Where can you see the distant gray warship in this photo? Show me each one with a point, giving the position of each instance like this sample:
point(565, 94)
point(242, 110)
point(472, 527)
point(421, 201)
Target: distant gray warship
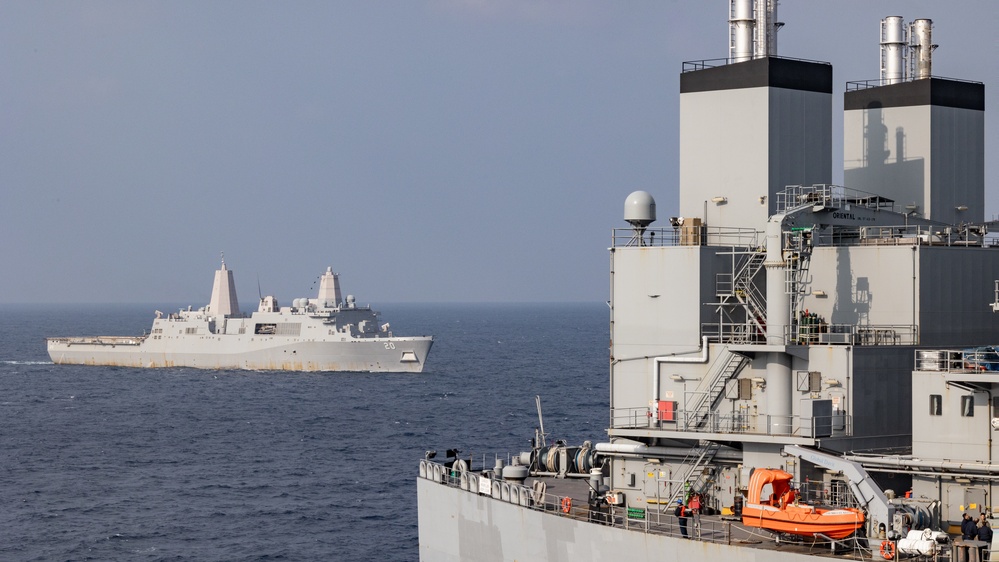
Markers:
point(788, 352)
point(327, 333)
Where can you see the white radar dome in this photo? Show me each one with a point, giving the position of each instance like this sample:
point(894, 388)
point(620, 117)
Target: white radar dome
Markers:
point(640, 209)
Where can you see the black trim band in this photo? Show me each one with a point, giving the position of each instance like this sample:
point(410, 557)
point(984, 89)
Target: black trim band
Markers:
point(775, 72)
point(930, 91)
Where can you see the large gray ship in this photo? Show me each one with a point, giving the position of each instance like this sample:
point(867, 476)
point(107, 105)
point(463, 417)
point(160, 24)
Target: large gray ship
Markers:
point(327, 333)
point(797, 369)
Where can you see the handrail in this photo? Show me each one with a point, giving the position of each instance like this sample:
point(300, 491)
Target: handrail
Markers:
point(811, 427)
point(970, 360)
point(694, 65)
point(856, 85)
point(708, 235)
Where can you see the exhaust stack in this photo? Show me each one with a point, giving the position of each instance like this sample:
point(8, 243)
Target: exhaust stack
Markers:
point(753, 29)
point(921, 32)
point(893, 50)
point(906, 51)
point(766, 28)
point(741, 25)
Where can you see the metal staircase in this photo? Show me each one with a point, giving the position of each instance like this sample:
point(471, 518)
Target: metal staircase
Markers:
point(694, 479)
point(725, 367)
point(739, 291)
point(749, 293)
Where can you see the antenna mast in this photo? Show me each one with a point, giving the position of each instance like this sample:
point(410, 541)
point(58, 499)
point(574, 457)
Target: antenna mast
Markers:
point(541, 422)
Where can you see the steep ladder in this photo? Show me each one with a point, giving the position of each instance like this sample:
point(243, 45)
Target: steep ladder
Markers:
point(749, 294)
point(726, 367)
point(740, 290)
point(797, 255)
point(694, 479)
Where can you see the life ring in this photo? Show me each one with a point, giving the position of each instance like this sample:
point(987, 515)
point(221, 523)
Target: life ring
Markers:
point(566, 504)
point(887, 550)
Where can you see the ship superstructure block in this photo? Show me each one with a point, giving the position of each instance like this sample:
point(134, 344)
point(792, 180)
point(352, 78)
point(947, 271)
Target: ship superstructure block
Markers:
point(920, 143)
point(223, 302)
point(749, 129)
point(780, 309)
point(329, 289)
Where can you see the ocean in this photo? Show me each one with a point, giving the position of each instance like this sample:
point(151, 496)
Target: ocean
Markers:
point(108, 463)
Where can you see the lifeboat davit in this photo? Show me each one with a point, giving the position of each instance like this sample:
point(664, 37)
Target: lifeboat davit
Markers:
point(781, 512)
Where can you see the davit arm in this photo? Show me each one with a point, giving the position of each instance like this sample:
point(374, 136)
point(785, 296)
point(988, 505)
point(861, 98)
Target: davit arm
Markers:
point(879, 511)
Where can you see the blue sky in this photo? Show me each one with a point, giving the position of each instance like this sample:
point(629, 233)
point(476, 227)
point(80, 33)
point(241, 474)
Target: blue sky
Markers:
point(435, 151)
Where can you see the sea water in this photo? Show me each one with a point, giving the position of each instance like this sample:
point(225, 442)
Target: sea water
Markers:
point(109, 463)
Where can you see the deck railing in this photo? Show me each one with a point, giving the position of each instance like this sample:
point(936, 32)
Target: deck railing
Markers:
point(848, 334)
point(810, 427)
point(978, 359)
point(686, 235)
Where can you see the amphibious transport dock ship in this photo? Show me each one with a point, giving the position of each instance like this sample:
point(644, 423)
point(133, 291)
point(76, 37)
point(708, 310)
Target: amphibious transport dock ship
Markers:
point(327, 333)
point(810, 367)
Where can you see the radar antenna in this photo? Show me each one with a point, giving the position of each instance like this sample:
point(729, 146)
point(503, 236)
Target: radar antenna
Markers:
point(639, 212)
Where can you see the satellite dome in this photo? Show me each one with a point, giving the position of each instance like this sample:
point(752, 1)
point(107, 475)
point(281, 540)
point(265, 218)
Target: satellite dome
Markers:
point(640, 209)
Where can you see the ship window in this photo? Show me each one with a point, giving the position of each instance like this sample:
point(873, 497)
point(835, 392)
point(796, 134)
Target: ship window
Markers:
point(936, 404)
point(995, 406)
point(968, 406)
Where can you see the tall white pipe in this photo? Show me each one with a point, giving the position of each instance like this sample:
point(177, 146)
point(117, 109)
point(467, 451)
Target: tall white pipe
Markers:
point(893, 50)
point(655, 451)
point(778, 305)
point(778, 392)
point(778, 389)
point(741, 25)
point(922, 48)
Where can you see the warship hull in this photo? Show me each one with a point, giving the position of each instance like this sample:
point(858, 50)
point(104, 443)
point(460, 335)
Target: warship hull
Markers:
point(397, 354)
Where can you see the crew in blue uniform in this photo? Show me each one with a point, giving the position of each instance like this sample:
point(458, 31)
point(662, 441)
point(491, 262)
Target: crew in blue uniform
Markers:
point(985, 534)
point(969, 530)
point(682, 516)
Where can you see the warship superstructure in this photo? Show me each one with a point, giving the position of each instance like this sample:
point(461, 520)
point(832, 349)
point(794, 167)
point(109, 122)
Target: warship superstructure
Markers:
point(838, 336)
point(327, 333)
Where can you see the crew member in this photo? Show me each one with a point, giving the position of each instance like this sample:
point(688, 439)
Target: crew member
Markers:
point(985, 534)
point(694, 506)
point(969, 529)
point(682, 516)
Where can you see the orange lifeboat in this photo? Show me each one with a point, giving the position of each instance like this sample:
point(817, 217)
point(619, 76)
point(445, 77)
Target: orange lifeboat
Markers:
point(782, 513)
